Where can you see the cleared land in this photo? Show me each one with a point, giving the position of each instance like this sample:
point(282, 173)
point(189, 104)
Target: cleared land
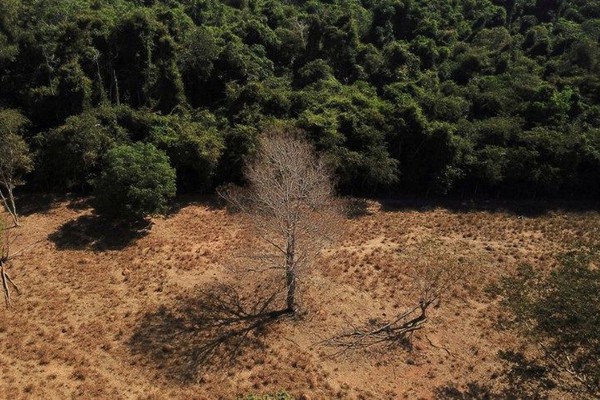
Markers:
point(105, 313)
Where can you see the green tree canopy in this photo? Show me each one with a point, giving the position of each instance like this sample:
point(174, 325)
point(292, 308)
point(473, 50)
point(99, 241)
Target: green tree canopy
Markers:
point(136, 181)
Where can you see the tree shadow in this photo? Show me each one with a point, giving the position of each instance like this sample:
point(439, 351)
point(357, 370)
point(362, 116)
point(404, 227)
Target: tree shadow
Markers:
point(212, 202)
point(518, 207)
point(80, 203)
point(92, 232)
point(205, 333)
point(381, 335)
point(356, 208)
point(36, 203)
point(521, 378)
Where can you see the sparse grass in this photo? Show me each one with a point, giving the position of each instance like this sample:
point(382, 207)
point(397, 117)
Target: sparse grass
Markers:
point(70, 331)
point(277, 396)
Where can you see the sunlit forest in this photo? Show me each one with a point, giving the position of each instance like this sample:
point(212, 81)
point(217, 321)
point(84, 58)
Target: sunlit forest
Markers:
point(300, 199)
point(465, 97)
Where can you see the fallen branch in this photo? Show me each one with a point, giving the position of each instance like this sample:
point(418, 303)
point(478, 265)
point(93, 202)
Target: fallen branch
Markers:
point(373, 333)
point(6, 259)
point(7, 283)
point(439, 347)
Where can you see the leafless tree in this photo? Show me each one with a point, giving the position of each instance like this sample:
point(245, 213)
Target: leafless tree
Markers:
point(7, 258)
point(15, 160)
point(431, 275)
point(5, 261)
point(289, 199)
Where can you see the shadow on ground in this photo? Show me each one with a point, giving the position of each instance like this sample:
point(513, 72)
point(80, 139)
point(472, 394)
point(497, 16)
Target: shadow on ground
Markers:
point(520, 208)
point(91, 232)
point(212, 202)
point(207, 332)
point(36, 203)
point(521, 378)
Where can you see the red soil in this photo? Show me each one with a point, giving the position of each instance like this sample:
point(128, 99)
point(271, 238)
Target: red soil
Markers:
point(106, 316)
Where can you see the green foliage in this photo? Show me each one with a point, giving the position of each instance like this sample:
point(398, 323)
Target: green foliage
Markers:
point(12, 122)
point(15, 157)
point(561, 313)
point(348, 123)
point(136, 181)
point(468, 96)
point(194, 151)
point(277, 396)
point(15, 160)
point(71, 155)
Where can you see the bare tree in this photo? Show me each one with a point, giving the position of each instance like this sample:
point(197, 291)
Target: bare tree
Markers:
point(291, 204)
point(7, 257)
point(15, 160)
point(5, 262)
point(431, 274)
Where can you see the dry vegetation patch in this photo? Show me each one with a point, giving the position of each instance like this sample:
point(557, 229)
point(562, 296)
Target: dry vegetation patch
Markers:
point(103, 318)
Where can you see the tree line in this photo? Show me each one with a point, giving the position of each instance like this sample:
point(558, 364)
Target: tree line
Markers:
point(465, 97)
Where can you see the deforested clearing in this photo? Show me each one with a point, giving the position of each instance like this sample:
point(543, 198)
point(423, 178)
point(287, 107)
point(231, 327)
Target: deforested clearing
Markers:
point(105, 315)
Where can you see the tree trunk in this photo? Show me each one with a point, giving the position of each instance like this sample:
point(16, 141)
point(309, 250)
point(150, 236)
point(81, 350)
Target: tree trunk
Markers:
point(290, 276)
point(11, 196)
point(116, 85)
point(10, 208)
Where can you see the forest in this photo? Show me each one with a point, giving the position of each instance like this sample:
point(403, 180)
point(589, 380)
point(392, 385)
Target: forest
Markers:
point(300, 199)
point(461, 97)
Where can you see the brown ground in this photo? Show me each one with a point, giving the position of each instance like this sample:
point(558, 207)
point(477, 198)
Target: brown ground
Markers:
point(108, 315)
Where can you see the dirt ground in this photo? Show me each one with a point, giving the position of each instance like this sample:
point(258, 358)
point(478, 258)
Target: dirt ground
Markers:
point(107, 313)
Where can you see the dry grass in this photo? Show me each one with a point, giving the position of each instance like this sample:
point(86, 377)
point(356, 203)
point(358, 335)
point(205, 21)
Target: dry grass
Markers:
point(87, 292)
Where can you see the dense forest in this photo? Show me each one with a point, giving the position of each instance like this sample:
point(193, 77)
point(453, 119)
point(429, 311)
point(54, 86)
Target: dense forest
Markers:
point(463, 97)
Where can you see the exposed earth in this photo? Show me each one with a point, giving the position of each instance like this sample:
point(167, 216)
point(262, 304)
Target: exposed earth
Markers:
point(107, 313)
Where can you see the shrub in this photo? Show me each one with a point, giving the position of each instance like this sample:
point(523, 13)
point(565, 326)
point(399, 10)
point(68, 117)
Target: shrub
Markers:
point(136, 181)
point(560, 312)
point(70, 156)
point(277, 396)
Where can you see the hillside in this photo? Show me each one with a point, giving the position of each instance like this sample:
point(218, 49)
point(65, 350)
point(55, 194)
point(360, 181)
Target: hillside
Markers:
point(307, 199)
point(471, 97)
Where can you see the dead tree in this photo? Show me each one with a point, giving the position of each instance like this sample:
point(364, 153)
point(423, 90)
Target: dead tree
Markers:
point(290, 202)
point(375, 332)
point(6, 259)
point(431, 279)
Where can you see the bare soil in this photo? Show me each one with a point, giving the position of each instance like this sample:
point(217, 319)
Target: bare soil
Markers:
point(120, 313)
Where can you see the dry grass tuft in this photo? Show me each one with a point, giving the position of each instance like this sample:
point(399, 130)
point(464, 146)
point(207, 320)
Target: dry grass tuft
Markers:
point(77, 329)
